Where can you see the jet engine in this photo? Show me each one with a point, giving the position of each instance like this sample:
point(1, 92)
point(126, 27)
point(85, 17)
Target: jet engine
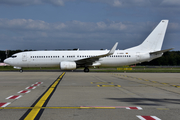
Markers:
point(67, 65)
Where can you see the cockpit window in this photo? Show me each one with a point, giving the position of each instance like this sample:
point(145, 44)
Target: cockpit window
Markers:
point(14, 56)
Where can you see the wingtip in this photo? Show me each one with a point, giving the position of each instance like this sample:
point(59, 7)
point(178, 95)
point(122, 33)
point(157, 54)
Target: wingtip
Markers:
point(115, 44)
point(165, 20)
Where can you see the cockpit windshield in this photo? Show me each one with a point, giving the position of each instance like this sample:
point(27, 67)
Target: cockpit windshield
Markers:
point(13, 56)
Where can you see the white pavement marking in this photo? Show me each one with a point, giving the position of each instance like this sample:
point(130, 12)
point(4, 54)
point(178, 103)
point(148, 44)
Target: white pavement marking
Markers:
point(148, 117)
point(24, 91)
point(140, 117)
point(4, 104)
point(35, 84)
point(31, 87)
point(156, 118)
point(134, 108)
point(39, 83)
point(14, 97)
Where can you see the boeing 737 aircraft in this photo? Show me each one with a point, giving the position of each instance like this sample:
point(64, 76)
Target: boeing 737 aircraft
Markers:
point(70, 60)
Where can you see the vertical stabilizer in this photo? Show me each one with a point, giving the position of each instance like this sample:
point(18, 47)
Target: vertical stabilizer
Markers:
point(155, 40)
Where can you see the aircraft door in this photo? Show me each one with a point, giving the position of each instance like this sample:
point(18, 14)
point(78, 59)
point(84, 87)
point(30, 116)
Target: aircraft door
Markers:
point(24, 57)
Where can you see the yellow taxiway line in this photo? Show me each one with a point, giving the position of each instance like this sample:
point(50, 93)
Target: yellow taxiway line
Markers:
point(35, 110)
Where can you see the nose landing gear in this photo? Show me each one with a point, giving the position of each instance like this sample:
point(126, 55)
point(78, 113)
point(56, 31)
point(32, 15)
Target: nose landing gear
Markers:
point(20, 69)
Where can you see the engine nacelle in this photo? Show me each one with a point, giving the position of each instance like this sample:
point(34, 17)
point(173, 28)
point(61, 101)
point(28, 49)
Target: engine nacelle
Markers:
point(67, 65)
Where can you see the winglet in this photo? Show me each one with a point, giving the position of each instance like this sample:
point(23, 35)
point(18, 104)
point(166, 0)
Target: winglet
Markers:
point(113, 49)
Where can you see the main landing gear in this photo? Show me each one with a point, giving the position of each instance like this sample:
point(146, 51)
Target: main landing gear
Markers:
point(21, 70)
point(86, 69)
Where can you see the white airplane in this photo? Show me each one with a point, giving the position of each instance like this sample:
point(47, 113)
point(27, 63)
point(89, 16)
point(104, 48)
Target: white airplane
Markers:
point(70, 60)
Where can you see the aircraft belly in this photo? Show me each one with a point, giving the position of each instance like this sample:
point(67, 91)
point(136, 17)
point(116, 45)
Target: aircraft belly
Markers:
point(118, 62)
point(43, 64)
point(113, 62)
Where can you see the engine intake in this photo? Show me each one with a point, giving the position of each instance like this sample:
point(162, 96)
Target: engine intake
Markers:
point(67, 65)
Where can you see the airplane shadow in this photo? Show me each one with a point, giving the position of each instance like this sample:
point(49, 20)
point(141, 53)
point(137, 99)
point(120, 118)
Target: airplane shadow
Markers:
point(147, 101)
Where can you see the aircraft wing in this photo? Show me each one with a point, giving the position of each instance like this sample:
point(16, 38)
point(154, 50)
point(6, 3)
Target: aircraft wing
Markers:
point(91, 60)
point(161, 51)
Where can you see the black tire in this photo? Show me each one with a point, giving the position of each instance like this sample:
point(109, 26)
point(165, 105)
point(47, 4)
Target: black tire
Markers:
point(21, 70)
point(86, 69)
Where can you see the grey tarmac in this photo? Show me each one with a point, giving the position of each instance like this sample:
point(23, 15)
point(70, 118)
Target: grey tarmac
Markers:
point(87, 96)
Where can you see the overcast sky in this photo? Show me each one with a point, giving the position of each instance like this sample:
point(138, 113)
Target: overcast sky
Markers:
point(85, 24)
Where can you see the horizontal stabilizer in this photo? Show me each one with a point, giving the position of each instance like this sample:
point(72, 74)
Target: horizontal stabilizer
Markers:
point(162, 51)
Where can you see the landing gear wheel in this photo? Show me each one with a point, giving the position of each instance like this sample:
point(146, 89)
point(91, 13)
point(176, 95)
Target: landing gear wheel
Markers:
point(21, 70)
point(86, 69)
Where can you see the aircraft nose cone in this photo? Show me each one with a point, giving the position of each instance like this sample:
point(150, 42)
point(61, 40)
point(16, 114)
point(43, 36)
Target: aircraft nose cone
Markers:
point(7, 61)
